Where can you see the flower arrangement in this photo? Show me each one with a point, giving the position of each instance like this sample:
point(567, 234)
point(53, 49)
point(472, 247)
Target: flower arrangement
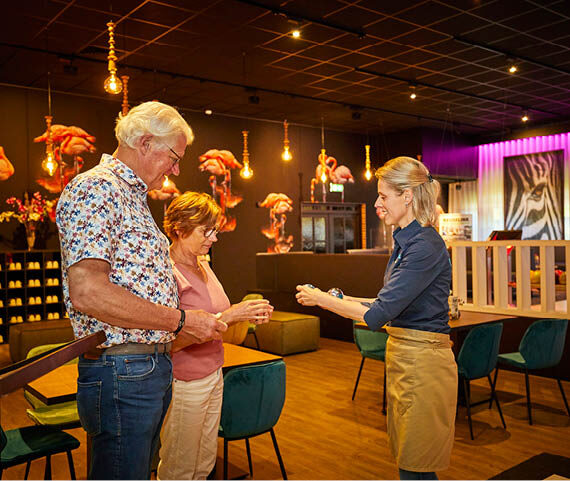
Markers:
point(30, 212)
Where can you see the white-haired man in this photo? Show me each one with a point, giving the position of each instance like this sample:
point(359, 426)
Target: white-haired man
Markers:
point(117, 277)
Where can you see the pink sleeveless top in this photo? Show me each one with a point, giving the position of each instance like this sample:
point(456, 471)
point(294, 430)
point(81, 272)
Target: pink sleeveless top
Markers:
point(199, 360)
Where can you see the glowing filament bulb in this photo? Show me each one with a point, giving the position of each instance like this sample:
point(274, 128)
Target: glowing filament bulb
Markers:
point(246, 172)
point(286, 155)
point(49, 164)
point(323, 177)
point(166, 182)
point(112, 84)
point(368, 172)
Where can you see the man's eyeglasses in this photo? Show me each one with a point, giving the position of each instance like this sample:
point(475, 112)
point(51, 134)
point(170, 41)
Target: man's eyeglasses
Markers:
point(178, 158)
point(211, 232)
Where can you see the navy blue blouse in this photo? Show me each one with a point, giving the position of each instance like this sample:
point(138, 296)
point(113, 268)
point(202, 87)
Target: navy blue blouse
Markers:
point(416, 283)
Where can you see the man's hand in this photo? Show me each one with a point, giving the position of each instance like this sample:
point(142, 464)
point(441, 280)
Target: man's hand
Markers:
point(203, 325)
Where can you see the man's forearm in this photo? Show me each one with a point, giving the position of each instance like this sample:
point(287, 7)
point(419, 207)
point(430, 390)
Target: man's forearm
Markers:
point(97, 297)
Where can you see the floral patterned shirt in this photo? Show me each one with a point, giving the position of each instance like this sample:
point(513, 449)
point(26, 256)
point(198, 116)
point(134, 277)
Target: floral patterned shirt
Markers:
point(103, 214)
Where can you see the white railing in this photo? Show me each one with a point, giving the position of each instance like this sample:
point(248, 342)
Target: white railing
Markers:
point(494, 287)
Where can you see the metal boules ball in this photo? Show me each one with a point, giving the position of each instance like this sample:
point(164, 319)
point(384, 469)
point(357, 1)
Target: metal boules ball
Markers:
point(336, 292)
point(309, 286)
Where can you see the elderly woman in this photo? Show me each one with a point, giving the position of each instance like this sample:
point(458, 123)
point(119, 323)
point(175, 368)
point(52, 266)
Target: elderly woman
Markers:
point(190, 431)
point(420, 367)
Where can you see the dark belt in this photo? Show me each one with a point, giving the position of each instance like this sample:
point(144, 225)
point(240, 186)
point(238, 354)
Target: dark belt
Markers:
point(128, 348)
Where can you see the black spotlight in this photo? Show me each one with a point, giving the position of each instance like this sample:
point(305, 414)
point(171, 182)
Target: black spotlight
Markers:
point(253, 99)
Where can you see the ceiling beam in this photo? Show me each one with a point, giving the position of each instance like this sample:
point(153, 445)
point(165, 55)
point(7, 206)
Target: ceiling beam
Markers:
point(510, 55)
point(238, 85)
point(307, 18)
point(457, 92)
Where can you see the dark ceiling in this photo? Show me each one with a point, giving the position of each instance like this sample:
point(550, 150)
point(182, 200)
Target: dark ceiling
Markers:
point(351, 69)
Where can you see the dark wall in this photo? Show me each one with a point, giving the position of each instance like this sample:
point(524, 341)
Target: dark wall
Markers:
point(22, 118)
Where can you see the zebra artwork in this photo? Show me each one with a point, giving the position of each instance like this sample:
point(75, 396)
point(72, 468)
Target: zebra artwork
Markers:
point(533, 195)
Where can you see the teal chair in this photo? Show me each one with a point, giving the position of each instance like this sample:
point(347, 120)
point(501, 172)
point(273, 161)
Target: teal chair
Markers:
point(542, 346)
point(371, 345)
point(477, 359)
point(61, 415)
point(253, 400)
point(24, 445)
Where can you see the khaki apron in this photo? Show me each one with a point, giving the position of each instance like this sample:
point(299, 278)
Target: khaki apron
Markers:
point(422, 397)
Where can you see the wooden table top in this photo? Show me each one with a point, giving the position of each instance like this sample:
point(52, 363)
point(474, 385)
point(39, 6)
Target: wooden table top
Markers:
point(60, 385)
point(467, 320)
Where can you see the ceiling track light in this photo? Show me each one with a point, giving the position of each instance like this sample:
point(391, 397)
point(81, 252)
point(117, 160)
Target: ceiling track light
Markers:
point(296, 33)
point(113, 84)
point(525, 117)
point(513, 68)
point(413, 94)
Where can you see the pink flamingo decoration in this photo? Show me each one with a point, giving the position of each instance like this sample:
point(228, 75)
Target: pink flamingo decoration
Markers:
point(219, 163)
point(279, 205)
point(6, 167)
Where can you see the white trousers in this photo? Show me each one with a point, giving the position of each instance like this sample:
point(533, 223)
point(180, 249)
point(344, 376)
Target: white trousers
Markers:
point(189, 437)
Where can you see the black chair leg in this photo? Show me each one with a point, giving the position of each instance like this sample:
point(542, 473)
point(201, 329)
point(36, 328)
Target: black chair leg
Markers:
point(274, 439)
point(528, 405)
point(28, 464)
point(225, 459)
point(494, 396)
point(563, 396)
point(467, 391)
point(256, 340)
point(358, 378)
point(47, 474)
point(383, 393)
point(71, 466)
point(249, 457)
point(493, 385)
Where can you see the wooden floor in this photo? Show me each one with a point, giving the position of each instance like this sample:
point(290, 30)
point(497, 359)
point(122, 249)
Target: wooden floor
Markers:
point(322, 434)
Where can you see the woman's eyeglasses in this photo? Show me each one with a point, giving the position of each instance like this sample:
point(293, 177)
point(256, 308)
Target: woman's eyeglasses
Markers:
point(211, 232)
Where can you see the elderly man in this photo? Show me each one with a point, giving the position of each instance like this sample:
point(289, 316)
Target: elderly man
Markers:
point(117, 277)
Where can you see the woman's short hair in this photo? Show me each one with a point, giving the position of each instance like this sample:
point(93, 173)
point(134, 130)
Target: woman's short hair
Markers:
point(188, 211)
point(404, 173)
point(157, 119)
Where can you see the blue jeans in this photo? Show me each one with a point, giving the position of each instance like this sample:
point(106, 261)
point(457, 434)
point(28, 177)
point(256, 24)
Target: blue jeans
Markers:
point(122, 401)
point(416, 475)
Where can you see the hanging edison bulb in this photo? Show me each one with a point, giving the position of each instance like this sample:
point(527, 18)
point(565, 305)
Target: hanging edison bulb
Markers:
point(368, 172)
point(113, 84)
point(49, 164)
point(166, 182)
point(286, 155)
point(246, 172)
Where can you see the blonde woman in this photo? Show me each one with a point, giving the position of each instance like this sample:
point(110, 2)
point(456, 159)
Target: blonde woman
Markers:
point(420, 366)
point(190, 431)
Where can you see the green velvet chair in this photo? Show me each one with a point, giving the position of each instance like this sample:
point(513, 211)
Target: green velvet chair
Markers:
point(371, 345)
point(253, 400)
point(477, 359)
point(61, 415)
point(542, 346)
point(24, 445)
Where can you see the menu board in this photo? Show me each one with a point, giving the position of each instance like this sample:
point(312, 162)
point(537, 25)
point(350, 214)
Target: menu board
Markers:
point(455, 226)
